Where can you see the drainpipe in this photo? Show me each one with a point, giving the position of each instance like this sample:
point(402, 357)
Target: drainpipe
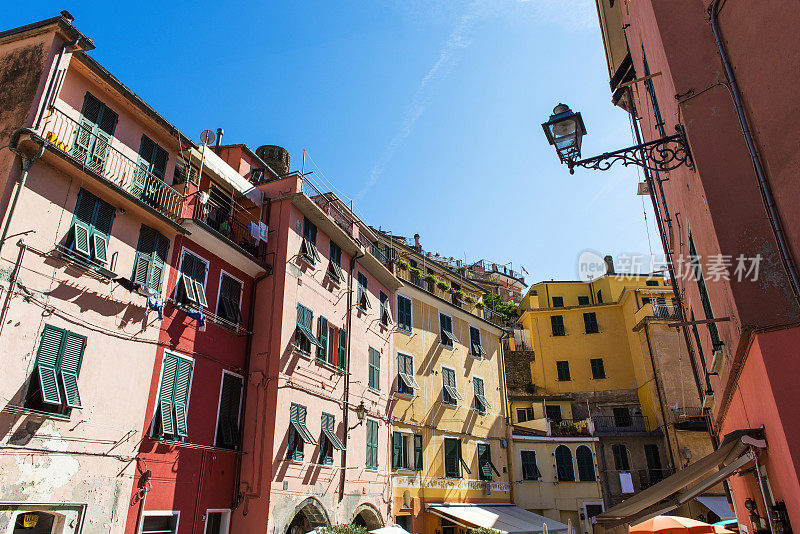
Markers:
point(763, 183)
point(53, 76)
point(237, 498)
point(346, 407)
point(12, 284)
point(507, 417)
point(27, 163)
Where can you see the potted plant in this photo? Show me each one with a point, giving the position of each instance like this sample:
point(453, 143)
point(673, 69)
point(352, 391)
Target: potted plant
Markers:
point(480, 305)
point(461, 269)
point(402, 264)
point(459, 295)
point(415, 271)
point(441, 284)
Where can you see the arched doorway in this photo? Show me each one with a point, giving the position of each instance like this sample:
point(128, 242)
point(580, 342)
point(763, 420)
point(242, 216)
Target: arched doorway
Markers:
point(308, 515)
point(367, 516)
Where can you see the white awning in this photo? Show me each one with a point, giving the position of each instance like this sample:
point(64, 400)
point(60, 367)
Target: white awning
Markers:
point(220, 168)
point(737, 450)
point(717, 504)
point(505, 518)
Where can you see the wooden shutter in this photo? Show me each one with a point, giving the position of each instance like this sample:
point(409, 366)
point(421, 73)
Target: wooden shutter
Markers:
point(417, 452)
point(144, 254)
point(342, 348)
point(71, 359)
point(90, 114)
point(47, 363)
point(103, 133)
point(182, 383)
point(103, 218)
point(229, 405)
point(158, 261)
point(397, 450)
point(322, 350)
point(167, 394)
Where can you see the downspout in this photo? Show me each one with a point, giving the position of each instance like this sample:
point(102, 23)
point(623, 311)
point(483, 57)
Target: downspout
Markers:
point(763, 183)
point(27, 163)
point(12, 284)
point(51, 84)
point(507, 417)
point(237, 498)
point(660, 397)
point(346, 404)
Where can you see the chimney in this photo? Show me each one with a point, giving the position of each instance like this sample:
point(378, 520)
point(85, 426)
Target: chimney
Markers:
point(276, 157)
point(219, 140)
point(430, 255)
point(416, 240)
point(609, 261)
point(458, 263)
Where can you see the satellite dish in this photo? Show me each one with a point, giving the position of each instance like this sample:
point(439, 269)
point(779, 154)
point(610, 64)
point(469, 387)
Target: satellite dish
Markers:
point(207, 137)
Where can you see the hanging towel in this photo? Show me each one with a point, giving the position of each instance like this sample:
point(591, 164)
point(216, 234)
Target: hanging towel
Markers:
point(203, 197)
point(262, 231)
point(154, 302)
point(198, 316)
point(254, 231)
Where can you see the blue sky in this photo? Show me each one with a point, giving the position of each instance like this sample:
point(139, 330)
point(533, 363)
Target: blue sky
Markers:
point(427, 114)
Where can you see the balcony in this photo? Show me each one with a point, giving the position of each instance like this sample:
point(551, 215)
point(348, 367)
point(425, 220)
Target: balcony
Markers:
point(570, 427)
point(610, 425)
point(231, 224)
point(689, 418)
point(96, 156)
point(666, 311)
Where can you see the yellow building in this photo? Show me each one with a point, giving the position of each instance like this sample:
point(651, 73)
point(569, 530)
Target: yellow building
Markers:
point(605, 363)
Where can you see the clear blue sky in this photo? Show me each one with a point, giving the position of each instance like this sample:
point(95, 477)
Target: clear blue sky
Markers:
point(426, 113)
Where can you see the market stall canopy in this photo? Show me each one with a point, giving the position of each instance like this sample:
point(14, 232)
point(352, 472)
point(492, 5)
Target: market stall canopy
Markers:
point(508, 519)
point(717, 504)
point(669, 524)
point(737, 450)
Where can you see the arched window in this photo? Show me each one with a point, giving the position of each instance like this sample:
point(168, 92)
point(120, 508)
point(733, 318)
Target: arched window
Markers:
point(583, 455)
point(564, 464)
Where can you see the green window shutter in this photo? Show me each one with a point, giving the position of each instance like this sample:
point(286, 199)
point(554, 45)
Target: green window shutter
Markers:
point(82, 233)
point(322, 350)
point(159, 260)
point(417, 452)
point(229, 405)
point(374, 369)
point(144, 255)
point(90, 115)
point(182, 383)
point(71, 358)
point(166, 397)
point(397, 450)
point(103, 219)
point(451, 455)
point(342, 348)
point(103, 132)
point(50, 347)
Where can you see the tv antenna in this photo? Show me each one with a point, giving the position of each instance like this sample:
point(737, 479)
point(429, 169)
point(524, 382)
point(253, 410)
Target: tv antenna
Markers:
point(207, 137)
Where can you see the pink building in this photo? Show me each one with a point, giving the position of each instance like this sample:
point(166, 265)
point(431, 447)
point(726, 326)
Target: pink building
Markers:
point(316, 450)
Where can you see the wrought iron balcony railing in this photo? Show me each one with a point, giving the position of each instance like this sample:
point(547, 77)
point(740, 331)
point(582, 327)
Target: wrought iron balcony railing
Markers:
point(223, 220)
point(96, 153)
point(608, 424)
point(665, 311)
point(570, 427)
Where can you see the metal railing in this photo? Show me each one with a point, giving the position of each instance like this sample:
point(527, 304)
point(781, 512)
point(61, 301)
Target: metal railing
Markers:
point(95, 153)
point(611, 424)
point(223, 220)
point(570, 427)
point(666, 311)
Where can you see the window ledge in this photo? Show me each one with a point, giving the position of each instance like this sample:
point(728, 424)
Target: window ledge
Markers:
point(448, 347)
point(409, 333)
point(409, 396)
point(404, 470)
point(48, 415)
point(329, 366)
point(304, 258)
point(302, 354)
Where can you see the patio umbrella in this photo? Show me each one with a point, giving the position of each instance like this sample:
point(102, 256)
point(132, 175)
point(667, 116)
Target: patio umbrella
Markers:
point(391, 529)
point(668, 524)
point(722, 530)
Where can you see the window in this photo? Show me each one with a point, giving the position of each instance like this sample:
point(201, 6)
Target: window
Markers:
point(446, 331)
point(362, 295)
point(298, 433)
point(229, 299)
point(217, 521)
point(54, 381)
point(651, 282)
point(191, 290)
point(530, 471)
point(323, 330)
point(620, 453)
point(374, 369)
point(564, 469)
point(590, 322)
point(525, 414)
point(150, 169)
point(645, 300)
point(598, 370)
point(557, 324)
point(583, 301)
point(704, 298)
point(562, 369)
point(475, 343)
point(160, 522)
point(304, 337)
point(230, 400)
point(372, 444)
point(558, 302)
point(93, 138)
point(651, 91)
point(401, 450)
point(622, 417)
point(173, 398)
point(412, 268)
point(406, 384)
point(308, 250)
point(404, 313)
point(417, 452)
point(335, 264)
point(481, 404)
point(328, 441)
point(431, 282)
point(585, 460)
point(151, 257)
point(91, 227)
point(653, 458)
point(553, 412)
point(485, 465)
point(342, 356)
point(386, 312)
point(453, 460)
point(599, 296)
point(333, 337)
point(450, 393)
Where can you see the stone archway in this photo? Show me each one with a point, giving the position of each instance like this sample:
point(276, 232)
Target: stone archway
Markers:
point(366, 515)
point(308, 515)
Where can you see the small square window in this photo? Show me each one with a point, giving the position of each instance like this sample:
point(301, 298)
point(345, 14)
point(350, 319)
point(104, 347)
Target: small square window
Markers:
point(558, 302)
point(583, 301)
point(562, 369)
point(598, 370)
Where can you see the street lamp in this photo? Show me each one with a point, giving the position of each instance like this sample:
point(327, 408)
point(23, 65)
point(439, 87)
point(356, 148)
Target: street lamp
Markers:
point(565, 130)
point(361, 411)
